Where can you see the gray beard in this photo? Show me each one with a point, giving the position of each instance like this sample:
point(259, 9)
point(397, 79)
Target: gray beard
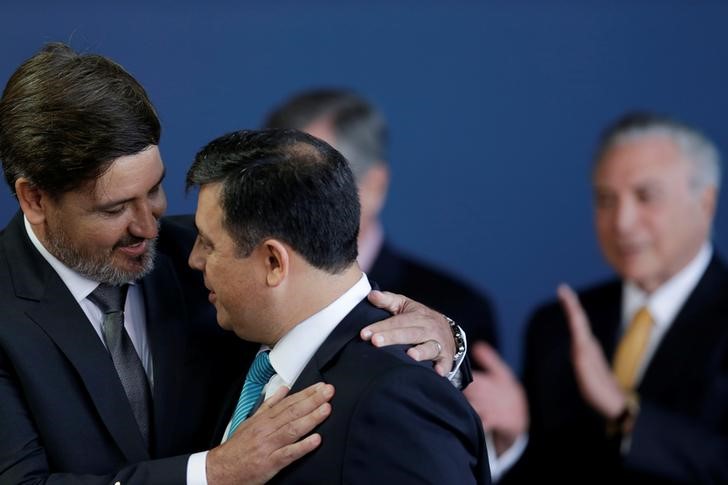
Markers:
point(98, 267)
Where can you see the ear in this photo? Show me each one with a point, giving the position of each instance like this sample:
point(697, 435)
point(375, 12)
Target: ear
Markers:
point(373, 187)
point(33, 201)
point(708, 201)
point(277, 262)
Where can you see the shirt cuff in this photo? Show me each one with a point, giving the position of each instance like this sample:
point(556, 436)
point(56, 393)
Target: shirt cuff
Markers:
point(197, 469)
point(454, 375)
point(501, 464)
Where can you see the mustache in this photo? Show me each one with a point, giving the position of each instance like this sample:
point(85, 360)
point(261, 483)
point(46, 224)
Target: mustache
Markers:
point(129, 241)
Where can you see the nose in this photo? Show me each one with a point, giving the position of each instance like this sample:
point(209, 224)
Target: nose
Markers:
point(145, 222)
point(625, 215)
point(195, 260)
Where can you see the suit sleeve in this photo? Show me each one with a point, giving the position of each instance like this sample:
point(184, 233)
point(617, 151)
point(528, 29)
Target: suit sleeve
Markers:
point(410, 426)
point(23, 458)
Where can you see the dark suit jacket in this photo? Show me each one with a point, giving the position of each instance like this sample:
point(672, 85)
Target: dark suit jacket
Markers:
point(396, 272)
point(393, 420)
point(681, 434)
point(63, 412)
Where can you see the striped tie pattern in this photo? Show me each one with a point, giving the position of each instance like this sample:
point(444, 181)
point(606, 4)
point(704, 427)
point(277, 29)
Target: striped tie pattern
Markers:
point(258, 376)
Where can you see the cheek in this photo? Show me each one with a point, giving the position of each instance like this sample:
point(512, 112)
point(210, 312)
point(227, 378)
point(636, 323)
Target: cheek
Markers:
point(603, 227)
point(159, 205)
point(97, 234)
point(660, 224)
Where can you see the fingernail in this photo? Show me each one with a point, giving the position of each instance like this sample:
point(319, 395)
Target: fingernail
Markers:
point(378, 339)
point(323, 410)
point(328, 391)
point(366, 334)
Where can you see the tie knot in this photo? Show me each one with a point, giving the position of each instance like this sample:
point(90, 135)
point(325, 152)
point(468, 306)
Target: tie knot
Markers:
point(261, 371)
point(642, 318)
point(109, 298)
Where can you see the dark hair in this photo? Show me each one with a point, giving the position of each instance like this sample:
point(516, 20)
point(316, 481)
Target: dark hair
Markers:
point(697, 148)
point(359, 128)
point(287, 185)
point(64, 117)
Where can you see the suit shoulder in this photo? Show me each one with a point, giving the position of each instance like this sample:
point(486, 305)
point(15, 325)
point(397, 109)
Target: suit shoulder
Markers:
point(378, 359)
point(390, 371)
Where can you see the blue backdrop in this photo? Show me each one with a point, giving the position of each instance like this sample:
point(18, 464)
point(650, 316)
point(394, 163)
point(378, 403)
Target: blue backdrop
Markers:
point(494, 107)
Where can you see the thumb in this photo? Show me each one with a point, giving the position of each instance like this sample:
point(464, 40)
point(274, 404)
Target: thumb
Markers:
point(385, 300)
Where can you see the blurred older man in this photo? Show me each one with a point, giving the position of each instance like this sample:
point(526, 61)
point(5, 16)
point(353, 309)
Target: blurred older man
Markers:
point(629, 380)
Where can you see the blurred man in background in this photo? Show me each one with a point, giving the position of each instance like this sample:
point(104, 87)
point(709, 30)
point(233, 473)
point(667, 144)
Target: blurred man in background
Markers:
point(628, 381)
point(358, 130)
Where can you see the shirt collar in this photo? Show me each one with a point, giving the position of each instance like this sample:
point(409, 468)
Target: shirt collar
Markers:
point(293, 351)
point(665, 302)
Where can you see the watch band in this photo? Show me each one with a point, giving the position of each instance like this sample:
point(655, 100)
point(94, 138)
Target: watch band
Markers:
point(624, 422)
point(457, 335)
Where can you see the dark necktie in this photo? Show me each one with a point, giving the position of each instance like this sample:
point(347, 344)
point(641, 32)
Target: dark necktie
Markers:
point(110, 299)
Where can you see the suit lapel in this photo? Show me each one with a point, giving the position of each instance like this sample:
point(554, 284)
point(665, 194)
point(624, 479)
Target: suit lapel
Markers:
point(164, 312)
point(605, 316)
point(52, 307)
point(696, 328)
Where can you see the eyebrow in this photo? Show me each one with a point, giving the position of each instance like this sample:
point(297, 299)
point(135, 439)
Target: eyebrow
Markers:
point(199, 231)
point(113, 203)
point(204, 239)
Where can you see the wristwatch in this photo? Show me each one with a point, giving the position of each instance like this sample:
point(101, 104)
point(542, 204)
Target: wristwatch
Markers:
point(624, 422)
point(457, 335)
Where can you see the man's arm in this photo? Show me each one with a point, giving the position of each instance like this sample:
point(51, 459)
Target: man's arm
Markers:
point(23, 458)
point(659, 441)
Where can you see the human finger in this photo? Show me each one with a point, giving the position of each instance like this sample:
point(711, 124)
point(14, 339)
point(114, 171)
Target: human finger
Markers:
point(575, 315)
point(486, 357)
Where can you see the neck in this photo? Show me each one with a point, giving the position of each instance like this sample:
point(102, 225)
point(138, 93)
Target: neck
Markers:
point(310, 293)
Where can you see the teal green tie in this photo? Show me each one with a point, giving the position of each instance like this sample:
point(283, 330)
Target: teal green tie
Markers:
point(258, 376)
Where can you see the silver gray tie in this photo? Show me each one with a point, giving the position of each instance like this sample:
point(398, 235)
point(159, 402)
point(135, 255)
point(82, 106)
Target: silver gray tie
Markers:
point(110, 299)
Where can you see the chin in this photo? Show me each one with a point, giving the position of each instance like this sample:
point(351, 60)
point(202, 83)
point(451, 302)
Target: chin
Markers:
point(224, 324)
